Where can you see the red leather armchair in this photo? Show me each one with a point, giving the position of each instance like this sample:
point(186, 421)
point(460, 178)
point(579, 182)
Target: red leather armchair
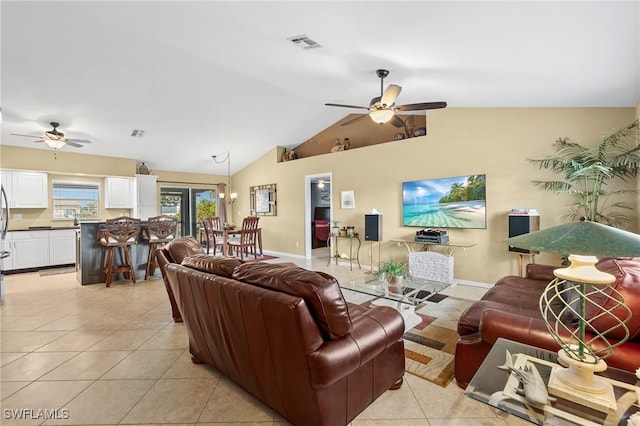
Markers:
point(510, 310)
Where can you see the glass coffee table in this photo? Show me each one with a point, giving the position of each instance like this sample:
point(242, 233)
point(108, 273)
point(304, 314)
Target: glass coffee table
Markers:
point(410, 295)
point(497, 388)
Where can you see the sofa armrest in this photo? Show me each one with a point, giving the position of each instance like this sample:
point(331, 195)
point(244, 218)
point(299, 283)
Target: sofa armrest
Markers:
point(531, 331)
point(540, 272)
point(373, 332)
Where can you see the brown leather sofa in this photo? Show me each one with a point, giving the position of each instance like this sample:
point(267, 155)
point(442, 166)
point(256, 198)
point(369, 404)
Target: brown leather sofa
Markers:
point(510, 310)
point(175, 252)
point(288, 337)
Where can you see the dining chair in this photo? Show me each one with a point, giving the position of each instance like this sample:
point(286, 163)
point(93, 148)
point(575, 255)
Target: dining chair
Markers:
point(213, 232)
point(119, 233)
point(160, 230)
point(247, 241)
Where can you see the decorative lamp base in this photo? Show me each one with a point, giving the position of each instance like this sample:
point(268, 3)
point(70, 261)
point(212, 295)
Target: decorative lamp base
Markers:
point(580, 385)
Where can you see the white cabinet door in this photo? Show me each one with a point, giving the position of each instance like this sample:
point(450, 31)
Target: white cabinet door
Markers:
point(146, 196)
point(26, 190)
point(62, 246)
point(29, 249)
point(118, 193)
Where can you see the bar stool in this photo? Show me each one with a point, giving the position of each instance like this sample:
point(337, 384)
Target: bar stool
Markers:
point(160, 230)
point(121, 232)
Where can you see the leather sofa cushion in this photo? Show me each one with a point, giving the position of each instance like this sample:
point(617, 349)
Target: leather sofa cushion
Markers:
point(181, 248)
point(320, 292)
point(222, 266)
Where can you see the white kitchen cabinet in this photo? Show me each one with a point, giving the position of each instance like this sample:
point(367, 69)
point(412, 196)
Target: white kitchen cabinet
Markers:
point(26, 190)
point(40, 248)
point(62, 246)
point(29, 249)
point(146, 196)
point(118, 192)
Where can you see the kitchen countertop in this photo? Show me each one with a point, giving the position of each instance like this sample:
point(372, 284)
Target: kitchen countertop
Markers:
point(44, 228)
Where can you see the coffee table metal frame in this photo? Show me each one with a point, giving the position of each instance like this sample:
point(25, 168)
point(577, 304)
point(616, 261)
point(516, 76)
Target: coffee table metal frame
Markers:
point(412, 294)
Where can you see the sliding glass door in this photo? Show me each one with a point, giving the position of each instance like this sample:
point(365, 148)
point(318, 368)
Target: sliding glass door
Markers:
point(189, 206)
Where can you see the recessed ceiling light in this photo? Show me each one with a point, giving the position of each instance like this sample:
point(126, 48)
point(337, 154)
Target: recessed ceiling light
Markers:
point(304, 42)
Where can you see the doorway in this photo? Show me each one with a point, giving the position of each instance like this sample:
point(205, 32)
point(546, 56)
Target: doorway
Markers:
point(318, 201)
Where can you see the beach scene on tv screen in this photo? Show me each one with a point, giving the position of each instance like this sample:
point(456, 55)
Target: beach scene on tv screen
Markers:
point(455, 202)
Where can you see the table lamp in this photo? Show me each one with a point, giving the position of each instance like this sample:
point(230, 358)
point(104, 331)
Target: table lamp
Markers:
point(580, 308)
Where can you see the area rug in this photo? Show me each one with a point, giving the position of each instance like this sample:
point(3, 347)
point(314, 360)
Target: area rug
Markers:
point(57, 271)
point(429, 347)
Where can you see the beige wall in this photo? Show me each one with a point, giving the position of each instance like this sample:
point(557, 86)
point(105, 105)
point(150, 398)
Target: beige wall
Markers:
point(78, 167)
point(460, 141)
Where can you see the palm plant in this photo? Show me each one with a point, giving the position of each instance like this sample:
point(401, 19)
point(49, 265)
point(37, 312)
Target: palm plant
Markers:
point(587, 170)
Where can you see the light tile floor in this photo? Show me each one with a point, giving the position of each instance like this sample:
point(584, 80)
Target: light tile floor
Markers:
point(114, 356)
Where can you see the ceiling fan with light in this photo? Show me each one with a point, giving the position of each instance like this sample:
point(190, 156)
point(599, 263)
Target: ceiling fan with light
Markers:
point(55, 139)
point(382, 108)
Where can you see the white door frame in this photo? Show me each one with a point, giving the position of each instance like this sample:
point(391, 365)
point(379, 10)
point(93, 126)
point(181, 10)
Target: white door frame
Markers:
point(307, 207)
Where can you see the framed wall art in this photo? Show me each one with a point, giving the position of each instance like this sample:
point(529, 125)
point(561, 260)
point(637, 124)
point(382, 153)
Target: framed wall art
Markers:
point(262, 200)
point(347, 200)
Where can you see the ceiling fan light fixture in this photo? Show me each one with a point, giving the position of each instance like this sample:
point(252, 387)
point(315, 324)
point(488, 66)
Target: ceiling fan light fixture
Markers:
point(55, 143)
point(381, 116)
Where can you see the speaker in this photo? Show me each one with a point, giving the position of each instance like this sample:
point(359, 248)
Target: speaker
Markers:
point(373, 227)
point(522, 224)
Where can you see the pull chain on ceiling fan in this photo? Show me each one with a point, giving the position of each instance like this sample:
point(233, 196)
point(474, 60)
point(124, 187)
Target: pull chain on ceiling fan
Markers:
point(382, 108)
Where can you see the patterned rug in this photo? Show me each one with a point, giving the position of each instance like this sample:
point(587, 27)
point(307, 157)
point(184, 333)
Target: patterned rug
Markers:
point(429, 347)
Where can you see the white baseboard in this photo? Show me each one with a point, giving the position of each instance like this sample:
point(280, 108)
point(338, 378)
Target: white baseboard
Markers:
point(472, 283)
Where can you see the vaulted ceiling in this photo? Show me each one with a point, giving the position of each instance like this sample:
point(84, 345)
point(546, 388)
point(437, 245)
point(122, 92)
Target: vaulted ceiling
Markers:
point(207, 77)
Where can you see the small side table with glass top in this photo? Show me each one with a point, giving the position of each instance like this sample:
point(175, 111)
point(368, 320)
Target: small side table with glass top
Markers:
point(497, 388)
point(354, 252)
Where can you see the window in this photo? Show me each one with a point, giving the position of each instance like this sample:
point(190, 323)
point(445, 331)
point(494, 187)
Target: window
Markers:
point(81, 200)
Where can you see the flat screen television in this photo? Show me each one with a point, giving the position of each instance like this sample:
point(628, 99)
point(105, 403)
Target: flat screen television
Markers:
point(452, 202)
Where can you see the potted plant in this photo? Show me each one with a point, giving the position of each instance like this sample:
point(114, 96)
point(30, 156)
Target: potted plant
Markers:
point(392, 272)
point(587, 170)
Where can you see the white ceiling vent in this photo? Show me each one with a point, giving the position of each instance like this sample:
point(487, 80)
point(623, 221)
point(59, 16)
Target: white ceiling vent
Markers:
point(137, 133)
point(304, 42)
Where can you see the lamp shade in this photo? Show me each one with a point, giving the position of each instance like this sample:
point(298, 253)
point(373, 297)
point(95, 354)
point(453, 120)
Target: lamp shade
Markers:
point(381, 116)
point(55, 144)
point(582, 238)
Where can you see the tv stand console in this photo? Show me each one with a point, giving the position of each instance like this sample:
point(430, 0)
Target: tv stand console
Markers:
point(448, 247)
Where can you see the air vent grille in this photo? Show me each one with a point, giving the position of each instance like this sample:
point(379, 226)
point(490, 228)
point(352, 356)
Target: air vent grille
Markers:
point(304, 42)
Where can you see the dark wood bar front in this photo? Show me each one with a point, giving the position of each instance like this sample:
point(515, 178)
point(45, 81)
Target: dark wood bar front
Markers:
point(91, 255)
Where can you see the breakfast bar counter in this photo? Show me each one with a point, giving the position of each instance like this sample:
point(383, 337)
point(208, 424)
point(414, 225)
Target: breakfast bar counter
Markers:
point(90, 255)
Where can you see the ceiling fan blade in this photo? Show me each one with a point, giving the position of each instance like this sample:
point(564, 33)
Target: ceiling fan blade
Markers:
point(39, 141)
point(78, 140)
point(71, 143)
point(421, 106)
point(26, 136)
point(390, 95)
point(397, 121)
point(347, 106)
point(353, 120)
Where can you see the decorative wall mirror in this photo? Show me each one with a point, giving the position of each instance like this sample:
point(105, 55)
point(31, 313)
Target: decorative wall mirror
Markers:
point(263, 200)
